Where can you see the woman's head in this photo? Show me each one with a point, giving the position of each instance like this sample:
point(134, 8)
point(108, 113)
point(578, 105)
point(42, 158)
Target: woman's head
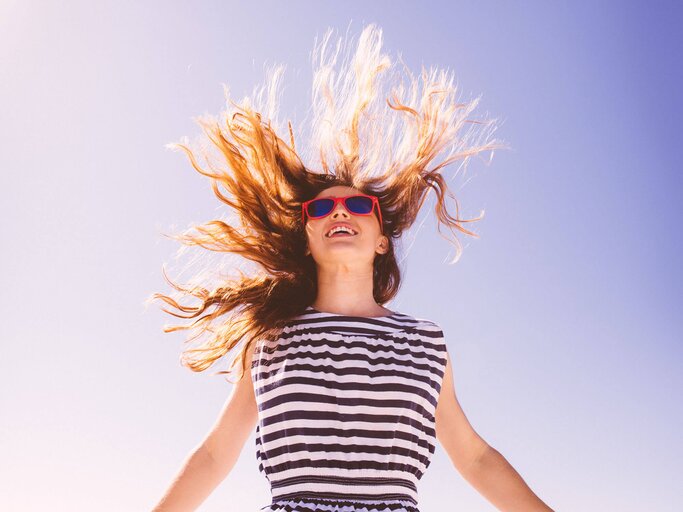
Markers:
point(389, 143)
point(371, 246)
point(344, 233)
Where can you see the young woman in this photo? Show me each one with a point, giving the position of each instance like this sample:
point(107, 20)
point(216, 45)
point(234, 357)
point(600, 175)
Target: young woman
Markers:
point(348, 397)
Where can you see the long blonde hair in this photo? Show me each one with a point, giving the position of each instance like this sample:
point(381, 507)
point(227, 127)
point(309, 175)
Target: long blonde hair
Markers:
point(374, 126)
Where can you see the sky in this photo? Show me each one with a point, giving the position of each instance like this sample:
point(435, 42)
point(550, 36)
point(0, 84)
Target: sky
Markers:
point(562, 319)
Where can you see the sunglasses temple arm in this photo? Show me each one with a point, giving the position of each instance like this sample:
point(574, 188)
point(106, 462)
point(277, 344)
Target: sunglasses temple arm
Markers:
point(379, 211)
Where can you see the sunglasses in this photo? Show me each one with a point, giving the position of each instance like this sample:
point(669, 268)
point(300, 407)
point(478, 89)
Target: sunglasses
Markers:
point(360, 204)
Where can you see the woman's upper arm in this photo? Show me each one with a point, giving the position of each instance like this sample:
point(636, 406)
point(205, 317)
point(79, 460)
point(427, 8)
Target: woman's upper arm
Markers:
point(453, 430)
point(235, 422)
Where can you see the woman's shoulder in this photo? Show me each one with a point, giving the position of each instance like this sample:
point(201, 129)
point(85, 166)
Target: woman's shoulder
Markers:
point(422, 322)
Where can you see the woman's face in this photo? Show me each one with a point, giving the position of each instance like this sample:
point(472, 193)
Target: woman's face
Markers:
point(342, 248)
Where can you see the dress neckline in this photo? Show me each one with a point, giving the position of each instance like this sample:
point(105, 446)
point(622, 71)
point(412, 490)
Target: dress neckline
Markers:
point(313, 310)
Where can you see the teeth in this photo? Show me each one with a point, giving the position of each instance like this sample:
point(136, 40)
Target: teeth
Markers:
point(340, 228)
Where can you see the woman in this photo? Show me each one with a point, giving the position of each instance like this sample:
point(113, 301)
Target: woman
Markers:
point(348, 397)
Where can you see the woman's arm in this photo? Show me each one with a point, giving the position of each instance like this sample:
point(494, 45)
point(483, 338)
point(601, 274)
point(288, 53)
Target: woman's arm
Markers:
point(480, 464)
point(209, 463)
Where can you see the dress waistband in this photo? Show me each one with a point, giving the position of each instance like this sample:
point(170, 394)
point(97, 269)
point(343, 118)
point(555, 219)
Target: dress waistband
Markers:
point(306, 503)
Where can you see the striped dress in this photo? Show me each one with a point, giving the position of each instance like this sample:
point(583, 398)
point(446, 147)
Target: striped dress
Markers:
point(346, 410)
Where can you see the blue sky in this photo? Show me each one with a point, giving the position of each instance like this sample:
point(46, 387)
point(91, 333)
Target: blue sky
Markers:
point(563, 319)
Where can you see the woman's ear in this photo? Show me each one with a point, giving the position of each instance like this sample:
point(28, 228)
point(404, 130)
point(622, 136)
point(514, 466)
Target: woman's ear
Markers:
point(383, 245)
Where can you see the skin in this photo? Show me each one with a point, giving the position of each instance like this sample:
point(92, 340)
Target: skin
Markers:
point(344, 264)
point(344, 269)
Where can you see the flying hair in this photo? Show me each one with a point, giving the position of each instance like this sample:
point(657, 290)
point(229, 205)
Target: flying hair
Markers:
point(374, 126)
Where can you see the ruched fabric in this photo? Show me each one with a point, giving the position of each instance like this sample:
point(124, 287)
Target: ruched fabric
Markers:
point(318, 505)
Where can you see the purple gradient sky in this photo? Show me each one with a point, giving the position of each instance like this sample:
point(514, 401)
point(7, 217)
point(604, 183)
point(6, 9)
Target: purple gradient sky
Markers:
point(563, 319)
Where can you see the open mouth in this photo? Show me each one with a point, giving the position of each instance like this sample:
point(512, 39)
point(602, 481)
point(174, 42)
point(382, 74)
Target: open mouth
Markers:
point(339, 231)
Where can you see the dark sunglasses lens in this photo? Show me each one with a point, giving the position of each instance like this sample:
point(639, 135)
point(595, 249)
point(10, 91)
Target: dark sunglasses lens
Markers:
point(359, 204)
point(320, 207)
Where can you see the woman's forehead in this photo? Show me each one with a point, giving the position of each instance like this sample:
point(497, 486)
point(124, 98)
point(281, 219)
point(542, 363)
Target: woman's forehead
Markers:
point(338, 190)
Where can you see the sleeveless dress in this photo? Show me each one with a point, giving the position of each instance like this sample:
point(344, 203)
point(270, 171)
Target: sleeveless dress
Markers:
point(346, 410)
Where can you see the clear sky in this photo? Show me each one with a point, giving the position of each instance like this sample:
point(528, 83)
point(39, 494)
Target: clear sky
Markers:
point(563, 320)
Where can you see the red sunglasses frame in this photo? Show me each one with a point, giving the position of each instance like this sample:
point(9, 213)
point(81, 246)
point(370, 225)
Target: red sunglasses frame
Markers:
point(375, 201)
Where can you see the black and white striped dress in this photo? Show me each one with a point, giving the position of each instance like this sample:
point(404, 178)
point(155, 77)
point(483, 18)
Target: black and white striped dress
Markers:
point(346, 410)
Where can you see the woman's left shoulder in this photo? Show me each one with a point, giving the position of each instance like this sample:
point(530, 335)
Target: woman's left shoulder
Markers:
point(427, 324)
point(431, 332)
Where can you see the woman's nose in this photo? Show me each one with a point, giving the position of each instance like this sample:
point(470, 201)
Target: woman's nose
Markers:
point(339, 208)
